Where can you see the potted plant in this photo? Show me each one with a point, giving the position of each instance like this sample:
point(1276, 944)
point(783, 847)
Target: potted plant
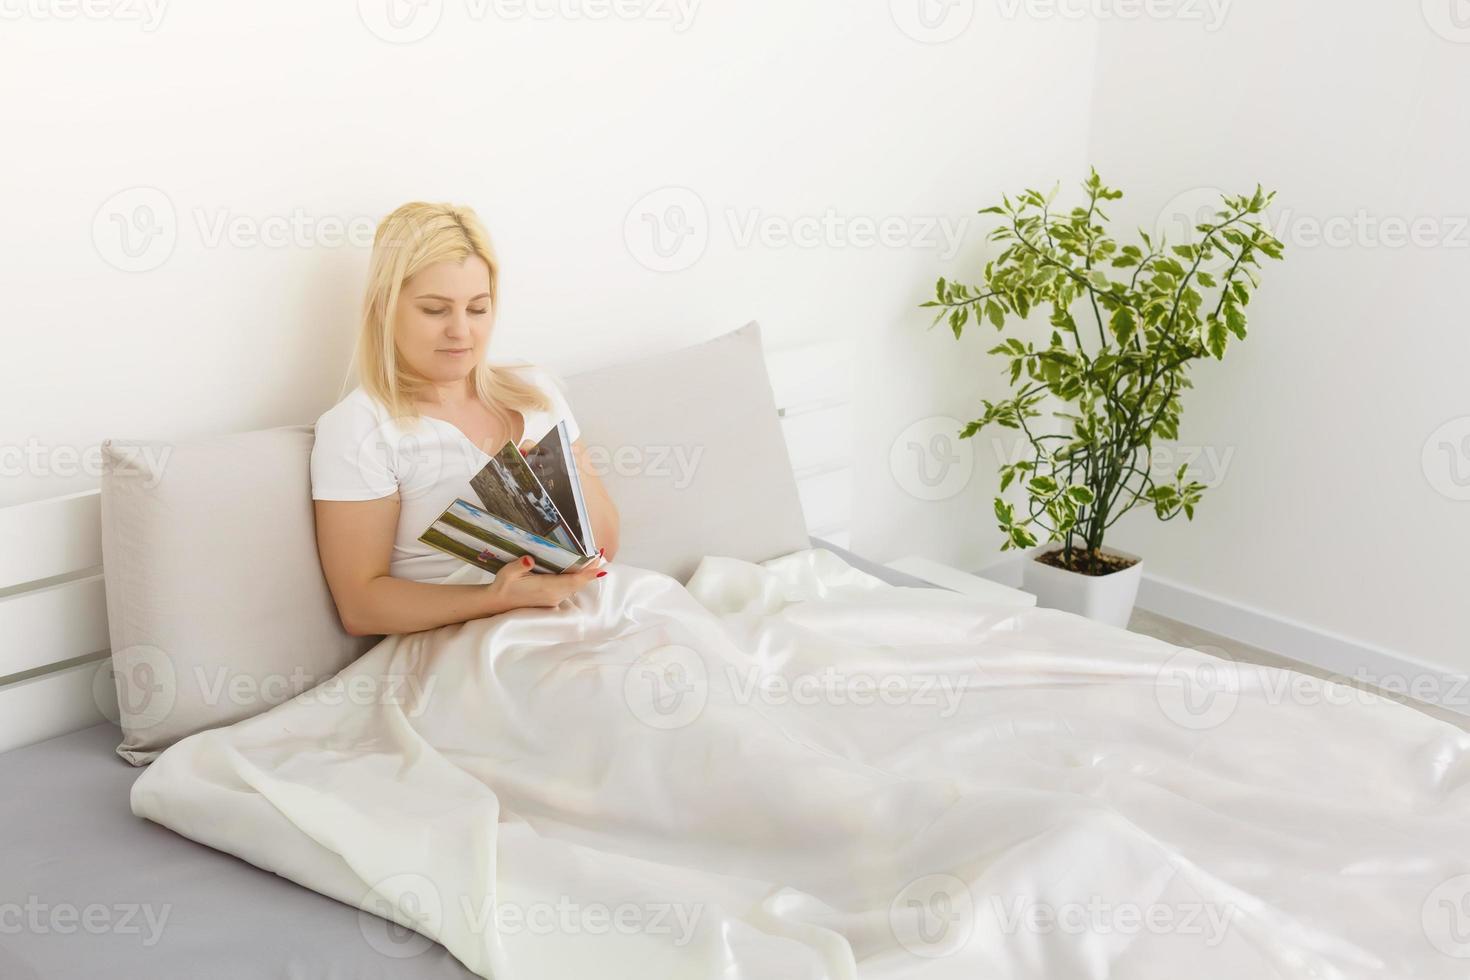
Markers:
point(1090, 401)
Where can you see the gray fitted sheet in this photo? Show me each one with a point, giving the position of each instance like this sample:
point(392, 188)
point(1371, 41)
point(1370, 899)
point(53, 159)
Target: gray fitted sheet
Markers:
point(68, 840)
point(88, 890)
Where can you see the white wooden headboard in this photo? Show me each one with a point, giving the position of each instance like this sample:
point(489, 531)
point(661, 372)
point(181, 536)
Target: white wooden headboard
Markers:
point(813, 385)
point(55, 672)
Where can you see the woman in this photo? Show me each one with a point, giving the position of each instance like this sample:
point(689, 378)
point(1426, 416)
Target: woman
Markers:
point(429, 412)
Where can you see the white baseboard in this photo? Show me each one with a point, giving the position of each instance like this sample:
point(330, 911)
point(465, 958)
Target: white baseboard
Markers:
point(1325, 650)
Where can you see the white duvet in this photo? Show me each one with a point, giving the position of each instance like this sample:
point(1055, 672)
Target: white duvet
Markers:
point(794, 770)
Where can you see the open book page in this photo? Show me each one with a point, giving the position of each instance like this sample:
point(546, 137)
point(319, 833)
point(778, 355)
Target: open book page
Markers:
point(555, 467)
point(476, 536)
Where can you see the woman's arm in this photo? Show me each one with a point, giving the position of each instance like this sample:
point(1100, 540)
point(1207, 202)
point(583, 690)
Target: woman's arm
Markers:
point(355, 542)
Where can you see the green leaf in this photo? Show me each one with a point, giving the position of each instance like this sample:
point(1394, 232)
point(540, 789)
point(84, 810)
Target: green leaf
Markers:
point(1123, 324)
point(1021, 538)
point(957, 320)
point(1215, 337)
point(1235, 320)
point(996, 314)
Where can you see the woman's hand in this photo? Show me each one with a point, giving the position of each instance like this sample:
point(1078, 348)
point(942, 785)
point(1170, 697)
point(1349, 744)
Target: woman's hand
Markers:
point(516, 586)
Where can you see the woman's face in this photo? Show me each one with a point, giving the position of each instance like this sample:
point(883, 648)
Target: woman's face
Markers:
point(443, 321)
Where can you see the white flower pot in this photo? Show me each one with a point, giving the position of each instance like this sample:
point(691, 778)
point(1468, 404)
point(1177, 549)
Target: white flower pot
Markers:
point(1105, 598)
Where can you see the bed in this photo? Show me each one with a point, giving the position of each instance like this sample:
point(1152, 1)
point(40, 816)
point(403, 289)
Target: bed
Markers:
point(1082, 763)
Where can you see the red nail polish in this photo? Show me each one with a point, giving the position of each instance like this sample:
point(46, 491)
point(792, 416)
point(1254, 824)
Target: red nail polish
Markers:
point(601, 574)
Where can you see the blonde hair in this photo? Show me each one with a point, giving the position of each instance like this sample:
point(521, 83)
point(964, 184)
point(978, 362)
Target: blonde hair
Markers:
point(413, 237)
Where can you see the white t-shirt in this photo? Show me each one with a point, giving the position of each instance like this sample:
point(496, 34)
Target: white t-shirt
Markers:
point(361, 453)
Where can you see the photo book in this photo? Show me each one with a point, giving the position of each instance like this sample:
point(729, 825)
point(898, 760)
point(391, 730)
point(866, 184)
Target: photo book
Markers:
point(528, 504)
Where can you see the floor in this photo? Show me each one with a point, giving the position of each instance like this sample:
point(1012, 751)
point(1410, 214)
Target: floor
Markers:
point(1181, 634)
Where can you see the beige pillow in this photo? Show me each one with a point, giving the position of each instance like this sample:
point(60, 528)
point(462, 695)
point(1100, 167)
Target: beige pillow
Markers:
point(690, 448)
point(216, 603)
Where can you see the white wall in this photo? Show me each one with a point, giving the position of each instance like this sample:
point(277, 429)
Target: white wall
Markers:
point(556, 130)
point(1334, 507)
